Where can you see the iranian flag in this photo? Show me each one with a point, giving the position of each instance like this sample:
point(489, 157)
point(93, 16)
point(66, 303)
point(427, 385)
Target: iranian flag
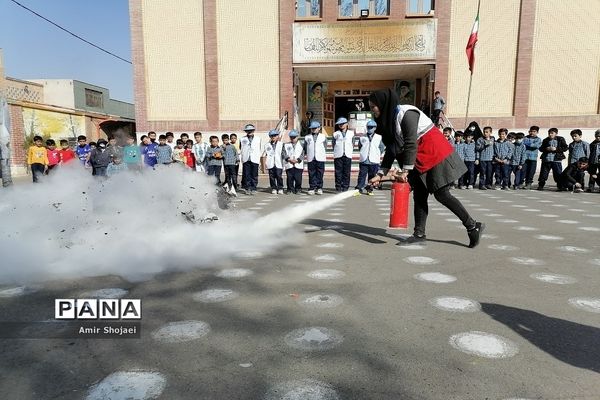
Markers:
point(472, 42)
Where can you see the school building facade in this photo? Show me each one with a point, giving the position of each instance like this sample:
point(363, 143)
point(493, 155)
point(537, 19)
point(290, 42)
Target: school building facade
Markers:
point(215, 65)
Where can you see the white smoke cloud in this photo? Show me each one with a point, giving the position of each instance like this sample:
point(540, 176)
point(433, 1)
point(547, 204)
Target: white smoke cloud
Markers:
point(73, 225)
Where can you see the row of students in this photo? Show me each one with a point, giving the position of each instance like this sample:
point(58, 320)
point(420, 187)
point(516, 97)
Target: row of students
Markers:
point(512, 158)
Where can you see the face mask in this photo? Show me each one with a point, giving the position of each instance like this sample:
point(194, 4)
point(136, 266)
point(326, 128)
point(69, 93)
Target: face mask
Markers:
point(472, 128)
point(518, 140)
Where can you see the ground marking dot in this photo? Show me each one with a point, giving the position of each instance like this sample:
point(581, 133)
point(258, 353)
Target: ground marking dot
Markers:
point(589, 228)
point(532, 209)
point(305, 389)
point(455, 304)
point(567, 221)
point(526, 228)
point(526, 261)
point(435, 277)
point(320, 300)
point(419, 260)
point(316, 338)
point(502, 247)
point(573, 249)
point(214, 295)
point(507, 221)
point(234, 273)
point(327, 258)
point(250, 255)
point(549, 215)
point(127, 385)
point(330, 245)
point(595, 261)
point(484, 344)
point(489, 236)
point(554, 278)
point(327, 274)
point(181, 331)
point(589, 304)
point(548, 237)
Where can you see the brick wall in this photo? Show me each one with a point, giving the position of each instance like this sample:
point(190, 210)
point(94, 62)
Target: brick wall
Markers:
point(17, 137)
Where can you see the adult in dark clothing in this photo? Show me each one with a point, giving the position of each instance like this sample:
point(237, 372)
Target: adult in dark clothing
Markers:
point(100, 157)
point(553, 152)
point(429, 162)
point(572, 177)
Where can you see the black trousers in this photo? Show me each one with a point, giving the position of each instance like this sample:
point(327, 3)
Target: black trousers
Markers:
point(486, 169)
point(555, 166)
point(231, 175)
point(593, 169)
point(342, 167)
point(316, 169)
point(443, 195)
point(294, 179)
point(469, 177)
point(529, 171)
point(276, 178)
point(37, 171)
point(250, 175)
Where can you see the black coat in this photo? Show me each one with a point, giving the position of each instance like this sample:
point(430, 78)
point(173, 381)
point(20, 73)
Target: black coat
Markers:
point(559, 153)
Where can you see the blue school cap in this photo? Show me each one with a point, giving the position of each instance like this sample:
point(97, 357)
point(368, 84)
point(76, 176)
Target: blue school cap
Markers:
point(371, 124)
point(314, 125)
point(249, 127)
point(341, 120)
point(293, 133)
point(273, 132)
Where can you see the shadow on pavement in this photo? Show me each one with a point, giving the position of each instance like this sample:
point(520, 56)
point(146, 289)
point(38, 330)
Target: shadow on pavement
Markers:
point(570, 342)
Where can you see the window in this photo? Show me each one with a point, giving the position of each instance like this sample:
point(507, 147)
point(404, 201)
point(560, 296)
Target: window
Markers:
point(308, 8)
point(353, 8)
point(420, 7)
point(93, 98)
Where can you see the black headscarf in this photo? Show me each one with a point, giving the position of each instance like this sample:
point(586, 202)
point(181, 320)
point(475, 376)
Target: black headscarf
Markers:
point(387, 101)
point(477, 133)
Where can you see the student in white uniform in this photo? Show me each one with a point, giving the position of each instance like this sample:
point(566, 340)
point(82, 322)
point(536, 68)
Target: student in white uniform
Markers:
point(199, 149)
point(293, 155)
point(370, 147)
point(315, 145)
point(274, 161)
point(343, 146)
point(251, 149)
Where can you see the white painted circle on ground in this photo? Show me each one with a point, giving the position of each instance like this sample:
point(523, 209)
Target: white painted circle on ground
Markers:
point(181, 331)
point(385, 213)
point(214, 295)
point(494, 215)
point(16, 291)
point(489, 236)
point(589, 228)
point(527, 228)
point(484, 344)
point(548, 237)
point(589, 304)
point(327, 274)
point(558, 205)
point(507, 221)
point(255, 208)
point(554, 278)
point(474, 205)
point(329, 234)
point(250, 255)
point(548, 215)
point(545, 201)
point(567, 221)
point(320, 300)
point(576, 210)
point(330, 245)
point(532, 209)
point(504, 201)
point(327, 258)
point(483, 209)
point(305, 389)
point(593, 215)
point(233, 273)
point(128, 385)
point(587, 202)
point(518, 206)
point(443, 213)
point(526, 261)
point(262, 203)
point(411, 247)
point(420, 260)
point(502, 247)
point(573, 249)
point(435, 277)
point(106, 293)
point(335, 214)
point(315, 338)
point(455, 304)
point(595, 261)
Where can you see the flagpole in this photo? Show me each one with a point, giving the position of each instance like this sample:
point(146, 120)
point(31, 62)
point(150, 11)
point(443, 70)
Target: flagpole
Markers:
point(471, 77)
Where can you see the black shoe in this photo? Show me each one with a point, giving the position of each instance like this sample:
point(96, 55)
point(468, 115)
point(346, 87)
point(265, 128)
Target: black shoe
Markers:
point(475, 234)
point(414, 239)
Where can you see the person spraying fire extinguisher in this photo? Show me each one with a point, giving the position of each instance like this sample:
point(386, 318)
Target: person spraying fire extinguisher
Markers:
point(428, 161)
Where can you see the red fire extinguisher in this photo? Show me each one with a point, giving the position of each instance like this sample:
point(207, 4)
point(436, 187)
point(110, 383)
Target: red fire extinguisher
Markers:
point(399, 205)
